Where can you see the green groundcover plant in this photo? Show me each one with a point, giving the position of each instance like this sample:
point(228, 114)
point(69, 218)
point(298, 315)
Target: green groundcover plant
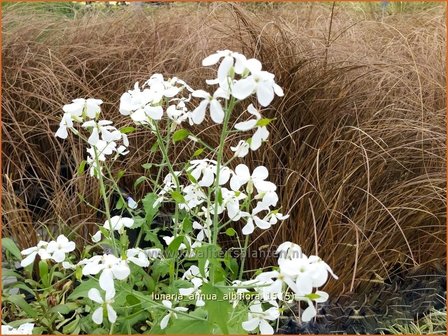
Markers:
point(185, 282)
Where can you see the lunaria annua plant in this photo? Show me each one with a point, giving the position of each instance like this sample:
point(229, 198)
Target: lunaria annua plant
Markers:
point(188, 283)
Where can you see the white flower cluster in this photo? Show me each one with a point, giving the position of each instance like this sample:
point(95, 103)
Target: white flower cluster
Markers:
point(145, 104)
point(23, 329)
point(54, 250)
point(235, 201)
point(103, 135)
point(297, 274)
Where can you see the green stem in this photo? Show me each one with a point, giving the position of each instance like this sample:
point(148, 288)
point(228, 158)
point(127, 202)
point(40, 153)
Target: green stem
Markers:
point(228, 112)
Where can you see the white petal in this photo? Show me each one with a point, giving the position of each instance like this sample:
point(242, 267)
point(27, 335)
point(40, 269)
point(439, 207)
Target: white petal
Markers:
point(164, 322)
point(97, 315)
point(224, 68)
point(216, 111)
point(107, 280)
point(198, 113)
point(121, 271)
point(243, 88)
point(58, 256)
point(251, 324)
point(262, 224)
point(266, 328)
point(96, 237)
point(211, 60)
point(62, 132)
point(111, 314)
point(309, 313)
point(201, 94)
point(29, 259)
point(243, 172)
point(246, 125)
point(94, 295)
point(253, 65)
point(265, 93)
point(249, 227)
point(323, 296)
point(154, 112)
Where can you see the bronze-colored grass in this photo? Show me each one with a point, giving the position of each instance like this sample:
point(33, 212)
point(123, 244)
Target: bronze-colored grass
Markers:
point(357, 148)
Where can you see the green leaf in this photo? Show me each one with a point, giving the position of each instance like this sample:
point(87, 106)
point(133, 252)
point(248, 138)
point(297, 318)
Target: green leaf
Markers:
point(218, 309)
point(147, 165)
point(187, 225)
point(82, 167)
point(119, 204)
point(64, 308)
point(127, 130)
point(264, 122)
point(230, 232)
point(43, 272)
point(154, 147)
point(198, 152)
point(180, 135)
point(139, 181)
point(148, 204)
point(188, 326)
point(173, 247)
point(82, 290)
point(9, 245)
point(178, 197)
point(20, 302)
point(132, 300)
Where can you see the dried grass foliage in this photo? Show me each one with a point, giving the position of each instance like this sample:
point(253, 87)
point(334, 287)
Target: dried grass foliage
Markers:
point(357, 148)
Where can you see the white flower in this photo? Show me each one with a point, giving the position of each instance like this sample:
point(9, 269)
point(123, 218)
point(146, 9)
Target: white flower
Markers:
point(83, 107)
point(97, 316)
point(242, 176)
point(66, 122)
point(32, 252)
point(59, 248)
point(204, 230)
point(254, 219)
point(260, 82)
point(204, 172)
point(216, 111)
point(138, 104)
point(230, 61)
point(131, 203)
point(260, 135)
point(116, 223)
point(23, 329)
point(193, 196)
point(288, 250)
point(138, 257)
point(241, 149)
point(110, 267)
point(258, 318)
point(166, 318)
point(108, 132)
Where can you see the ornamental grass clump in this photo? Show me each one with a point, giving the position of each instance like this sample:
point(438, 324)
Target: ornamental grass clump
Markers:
point(184, 280)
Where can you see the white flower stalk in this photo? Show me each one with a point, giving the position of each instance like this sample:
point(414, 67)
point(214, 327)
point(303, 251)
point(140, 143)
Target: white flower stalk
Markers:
point(97, 316)
point(171, 314)
point(116, 223)
point(258, 319)
point(23, 329)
